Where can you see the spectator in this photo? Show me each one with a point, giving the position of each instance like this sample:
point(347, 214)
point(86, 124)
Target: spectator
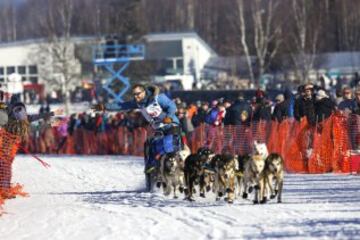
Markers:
point(356, 106)
point(200, 116)
point(324, 106)
point(220, 115)
point(305, 105)
point(72, 124)
point(186, 124)
point(262, 110)
point(62, 131)
point(236, 112)
point(290, 102)
point(212, 115)
point(281, 108)
point(346, 105)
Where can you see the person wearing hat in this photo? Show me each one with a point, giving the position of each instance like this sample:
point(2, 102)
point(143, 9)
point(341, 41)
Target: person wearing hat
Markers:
point(347, 103)
point(239, 113)
point(305, 104)
point(262, 110)
point(281, 108)
point(160, 112)
point(18, 125)
point(19, 120)
point(324, 106)
point(200, 115)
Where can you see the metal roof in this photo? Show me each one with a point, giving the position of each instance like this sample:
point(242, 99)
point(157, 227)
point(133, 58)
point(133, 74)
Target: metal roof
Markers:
point(173, 36)
point(338, 60)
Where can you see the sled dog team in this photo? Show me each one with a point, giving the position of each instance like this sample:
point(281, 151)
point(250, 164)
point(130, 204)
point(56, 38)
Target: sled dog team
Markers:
point(225, 175)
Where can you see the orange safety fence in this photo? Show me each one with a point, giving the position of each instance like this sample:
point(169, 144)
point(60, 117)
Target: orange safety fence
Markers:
point(329, 146)
point(325, 147)
point(9, 144)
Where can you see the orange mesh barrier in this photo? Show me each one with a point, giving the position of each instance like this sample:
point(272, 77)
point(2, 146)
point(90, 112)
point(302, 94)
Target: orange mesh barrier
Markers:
point(9, 146)
point(326, 147)
point(305, 148)
point(342, 144)
point(321, 156)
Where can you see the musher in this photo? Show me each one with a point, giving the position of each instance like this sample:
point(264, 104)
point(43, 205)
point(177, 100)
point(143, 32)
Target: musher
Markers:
point(159, 111)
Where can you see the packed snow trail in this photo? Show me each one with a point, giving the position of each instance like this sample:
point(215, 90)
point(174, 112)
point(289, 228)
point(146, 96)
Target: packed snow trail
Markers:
point(101, 197)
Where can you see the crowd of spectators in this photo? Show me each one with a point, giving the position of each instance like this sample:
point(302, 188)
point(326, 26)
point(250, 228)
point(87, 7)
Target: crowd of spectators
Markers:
point(309, 101)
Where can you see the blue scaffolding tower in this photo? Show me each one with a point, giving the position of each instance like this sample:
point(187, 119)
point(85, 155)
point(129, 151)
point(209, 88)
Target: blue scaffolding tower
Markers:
point(107, 56)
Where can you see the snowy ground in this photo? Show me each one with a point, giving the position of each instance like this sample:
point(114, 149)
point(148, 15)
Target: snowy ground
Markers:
point(102, 198)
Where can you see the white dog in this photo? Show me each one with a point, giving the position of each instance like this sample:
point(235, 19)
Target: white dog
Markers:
point(253, 172)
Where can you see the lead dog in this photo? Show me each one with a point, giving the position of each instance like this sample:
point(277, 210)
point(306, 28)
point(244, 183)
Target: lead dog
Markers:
point(274, 175)
point(194, 169)
point(207, 175)
point(226, 166)
point(239, 173)
point(254, 172)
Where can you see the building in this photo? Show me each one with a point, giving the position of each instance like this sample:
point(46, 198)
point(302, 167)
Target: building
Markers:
point(181, 57)
point(41, 70)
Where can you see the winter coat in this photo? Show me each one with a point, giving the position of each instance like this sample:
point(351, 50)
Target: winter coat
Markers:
point(290, 99)
point(347, 104)
point(324, 108)
point(19, 121)
point(281, 111)
point(220, 118)
point(262, 111)
point(233, 113)
point(62, 129)
point(356, 108)
point(305, 107)
point(153, 98)
point(72, 125)
point(199, 117)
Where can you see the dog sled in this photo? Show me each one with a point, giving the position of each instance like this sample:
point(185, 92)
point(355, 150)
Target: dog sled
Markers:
point(166, 138)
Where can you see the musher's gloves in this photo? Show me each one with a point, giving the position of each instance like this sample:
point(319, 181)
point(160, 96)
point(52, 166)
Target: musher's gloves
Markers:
point(98, 107)
point(167, 120)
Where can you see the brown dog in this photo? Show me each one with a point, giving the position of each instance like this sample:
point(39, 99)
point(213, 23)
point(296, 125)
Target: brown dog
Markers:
point(226, 165)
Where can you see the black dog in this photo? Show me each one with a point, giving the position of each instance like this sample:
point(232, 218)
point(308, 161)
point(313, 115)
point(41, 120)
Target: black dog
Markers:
point(193, 170)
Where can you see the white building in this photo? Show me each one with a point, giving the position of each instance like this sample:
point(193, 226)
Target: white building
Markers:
point(39, 68)
point(182, 56)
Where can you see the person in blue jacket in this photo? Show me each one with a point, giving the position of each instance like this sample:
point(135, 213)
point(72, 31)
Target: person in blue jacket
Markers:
point(160, 112)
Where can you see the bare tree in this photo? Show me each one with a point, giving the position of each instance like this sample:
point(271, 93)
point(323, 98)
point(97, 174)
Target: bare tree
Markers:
point(267, 34)
point(349, 16)
point(60, 48)
point(305, 37)
point(8, 20)
point(190, 5)
point(266, 37)
point(244, 43)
